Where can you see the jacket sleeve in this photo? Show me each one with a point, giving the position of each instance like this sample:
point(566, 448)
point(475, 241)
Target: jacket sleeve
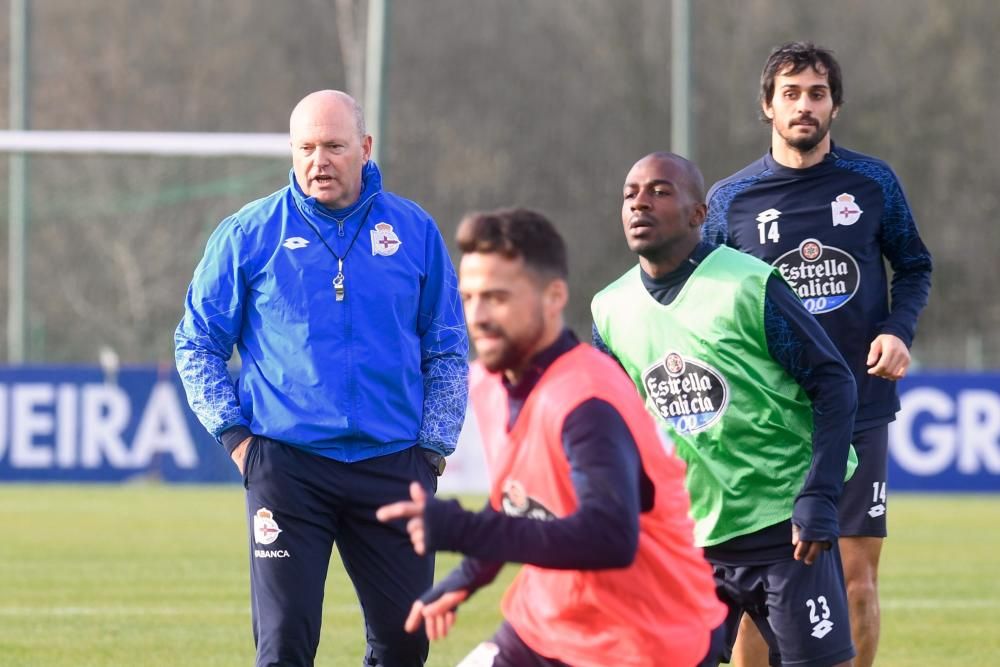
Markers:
point(444, 349)
point(801, 346)
point(910, 260)
point(204, 339)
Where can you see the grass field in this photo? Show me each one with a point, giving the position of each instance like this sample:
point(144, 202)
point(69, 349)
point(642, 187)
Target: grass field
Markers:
point(154, 575)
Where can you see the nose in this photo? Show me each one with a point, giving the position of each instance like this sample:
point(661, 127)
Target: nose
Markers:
point(640, 202)
point(474, 311)
point(321, 155)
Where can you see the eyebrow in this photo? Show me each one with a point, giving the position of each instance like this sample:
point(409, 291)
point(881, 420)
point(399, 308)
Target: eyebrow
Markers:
point(658, 181)
point(812, 87)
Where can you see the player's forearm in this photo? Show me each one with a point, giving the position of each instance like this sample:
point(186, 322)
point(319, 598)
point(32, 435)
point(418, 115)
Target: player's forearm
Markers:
point(815, 509)
point(911, 264)
point(910, 292)
point(446, 389)
point(586, 540)
point(210, 391)
point(802, 347)
point(602, 533)
point(470, 575)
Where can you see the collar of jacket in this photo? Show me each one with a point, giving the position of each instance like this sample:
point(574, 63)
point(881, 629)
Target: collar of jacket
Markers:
point(371, 184)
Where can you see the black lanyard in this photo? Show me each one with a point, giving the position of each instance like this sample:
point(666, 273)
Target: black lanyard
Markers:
point(338, 280)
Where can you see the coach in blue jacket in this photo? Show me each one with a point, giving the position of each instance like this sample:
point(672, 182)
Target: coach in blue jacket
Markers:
point(341, 300)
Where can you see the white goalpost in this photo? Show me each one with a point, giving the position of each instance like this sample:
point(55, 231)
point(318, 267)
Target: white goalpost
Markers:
point(201, 144)
point(19, 143)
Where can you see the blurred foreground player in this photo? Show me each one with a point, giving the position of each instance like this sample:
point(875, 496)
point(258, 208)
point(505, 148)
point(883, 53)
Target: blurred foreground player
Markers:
point(583, 491)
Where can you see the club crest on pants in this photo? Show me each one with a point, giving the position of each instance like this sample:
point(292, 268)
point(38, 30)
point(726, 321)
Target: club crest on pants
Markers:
point(265, 528)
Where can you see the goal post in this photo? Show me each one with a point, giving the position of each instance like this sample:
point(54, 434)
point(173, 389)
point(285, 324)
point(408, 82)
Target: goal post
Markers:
point(201, 144)
point(19, 143)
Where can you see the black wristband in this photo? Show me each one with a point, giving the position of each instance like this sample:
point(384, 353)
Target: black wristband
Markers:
point(233, 436)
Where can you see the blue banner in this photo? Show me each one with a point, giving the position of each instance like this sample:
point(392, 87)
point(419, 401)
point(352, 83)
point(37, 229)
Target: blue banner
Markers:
point(78, 424)
point(946, 436)
point(75, 424)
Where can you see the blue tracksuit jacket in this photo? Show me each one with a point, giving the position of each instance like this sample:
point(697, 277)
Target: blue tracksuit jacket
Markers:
point(373, 374)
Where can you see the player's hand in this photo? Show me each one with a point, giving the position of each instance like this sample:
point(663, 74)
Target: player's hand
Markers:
point(805, 550)
point(413, 510)
point(438, 616)
point(888, 357)
point(239, 455)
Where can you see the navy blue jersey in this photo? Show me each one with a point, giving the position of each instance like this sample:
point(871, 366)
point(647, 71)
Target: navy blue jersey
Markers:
point(828, 228)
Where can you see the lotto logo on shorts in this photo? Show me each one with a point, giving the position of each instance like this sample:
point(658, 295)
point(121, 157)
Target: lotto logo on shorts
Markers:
point(819, 616)
point(822, 629)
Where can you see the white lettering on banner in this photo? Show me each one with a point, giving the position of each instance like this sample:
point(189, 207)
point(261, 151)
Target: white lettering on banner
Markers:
point(966, 432)
point(28, 423)
point(66, 425)
point(163, 429)
point(978, 430)
point(105, 413)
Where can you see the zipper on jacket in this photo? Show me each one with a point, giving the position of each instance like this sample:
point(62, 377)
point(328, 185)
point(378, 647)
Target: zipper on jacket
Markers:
point(340, 229)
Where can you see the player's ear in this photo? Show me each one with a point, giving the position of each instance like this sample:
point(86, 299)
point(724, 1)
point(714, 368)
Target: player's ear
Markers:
point(698, 214)
point(767, 109)
point(556, 295)
point(366, 147)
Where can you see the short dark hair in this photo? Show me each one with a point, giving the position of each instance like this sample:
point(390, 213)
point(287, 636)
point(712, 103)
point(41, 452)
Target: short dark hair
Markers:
point(792, 58)
point(513, 233)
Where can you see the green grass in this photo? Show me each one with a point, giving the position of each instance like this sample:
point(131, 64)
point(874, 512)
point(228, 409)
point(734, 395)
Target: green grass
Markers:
point(155, 575)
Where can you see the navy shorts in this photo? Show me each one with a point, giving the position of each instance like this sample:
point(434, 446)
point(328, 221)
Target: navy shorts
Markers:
point(863, 502)
point(298, 506)
point(801, 610)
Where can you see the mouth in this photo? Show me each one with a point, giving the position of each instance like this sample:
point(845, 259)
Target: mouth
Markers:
point(639, 222)
point(322, 179)
point(485, 336)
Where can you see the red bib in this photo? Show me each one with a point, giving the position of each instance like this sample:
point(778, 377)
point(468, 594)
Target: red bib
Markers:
point(661, 609)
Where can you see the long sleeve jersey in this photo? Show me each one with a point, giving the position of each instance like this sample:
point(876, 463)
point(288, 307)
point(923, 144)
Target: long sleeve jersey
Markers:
point(827, 229)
